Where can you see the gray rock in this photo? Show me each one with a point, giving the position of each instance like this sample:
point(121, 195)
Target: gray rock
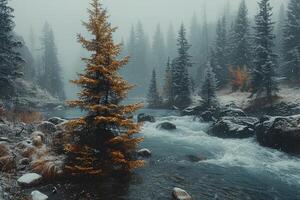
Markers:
point(233, 127)
point(46, 127)
point(281, 133)
point(233, 112)
point(29, 179)
point(180, 194)
point(144, 152)
point(145, 118)
point(56, 120)
point(5, 129)
point(166, 126)
point(37, 195)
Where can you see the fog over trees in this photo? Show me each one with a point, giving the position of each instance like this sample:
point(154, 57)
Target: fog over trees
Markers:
point(154, 29)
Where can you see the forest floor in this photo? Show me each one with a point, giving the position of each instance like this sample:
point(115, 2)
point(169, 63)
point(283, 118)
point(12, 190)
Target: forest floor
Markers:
point(242, 99)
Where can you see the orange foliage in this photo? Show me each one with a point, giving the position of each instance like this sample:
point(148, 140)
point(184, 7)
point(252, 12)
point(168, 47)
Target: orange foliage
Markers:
point(239, 78)
point(102, 141)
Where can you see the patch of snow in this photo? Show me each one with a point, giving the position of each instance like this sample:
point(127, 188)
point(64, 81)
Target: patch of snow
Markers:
point(37, 195)
point(29, 179)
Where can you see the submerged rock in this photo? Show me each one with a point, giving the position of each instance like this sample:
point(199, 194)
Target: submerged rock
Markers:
point(46, 127)
point(144, 152)
point(180, 194)
point(37, 195)
point(166, 126)
point(233, 127)
point(56, 120)
point(194, 158)
point(29, 179)
point(145, 118)
point(281, 133)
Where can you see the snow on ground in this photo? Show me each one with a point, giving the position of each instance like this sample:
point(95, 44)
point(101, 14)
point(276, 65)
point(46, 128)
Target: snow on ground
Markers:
point(241, 99)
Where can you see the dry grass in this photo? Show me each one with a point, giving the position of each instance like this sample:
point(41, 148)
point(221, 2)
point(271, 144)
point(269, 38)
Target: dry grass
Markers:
point(23, 116)
point(7, 163)
point(49, 167)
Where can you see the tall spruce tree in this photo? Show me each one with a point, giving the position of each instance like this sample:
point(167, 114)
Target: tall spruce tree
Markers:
point(291, 45)
point(280, 34)
point(240, 39)
point(195, 39)
point(221, 53)
point(208, 91)
point(159, 52)
point(51, 78)
point(106, 142)
point(180, 76)
point(167, 89)
point(263, 76)
point(153, 97)
point(171, 42)
point(10, 58)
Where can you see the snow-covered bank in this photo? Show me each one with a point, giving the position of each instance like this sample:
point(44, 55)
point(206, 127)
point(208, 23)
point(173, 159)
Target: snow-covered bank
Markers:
point(287, 94)
point(31, 96)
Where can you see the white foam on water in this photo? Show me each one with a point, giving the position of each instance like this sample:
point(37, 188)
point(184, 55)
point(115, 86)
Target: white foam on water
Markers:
point(246, 153)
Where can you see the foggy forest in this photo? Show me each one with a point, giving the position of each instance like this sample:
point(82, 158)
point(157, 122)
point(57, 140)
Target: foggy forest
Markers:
point(149, 100)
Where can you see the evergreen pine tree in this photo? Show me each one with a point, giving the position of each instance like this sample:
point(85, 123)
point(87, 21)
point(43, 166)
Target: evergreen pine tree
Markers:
point(171, 42)
point(263, 75)
point(240, 39)
point(195, 39)
point(208, 91)
point(291, 45)
point(153, 97)
point(51, 76)
point(221, 53)
point(158, 52)
point(280, 32)
point(10, 58)
point(105, 142)
point(180, 77)
point(168, 94)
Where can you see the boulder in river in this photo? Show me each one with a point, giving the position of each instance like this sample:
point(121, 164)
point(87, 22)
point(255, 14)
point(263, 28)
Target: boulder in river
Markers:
point(144, 152)
point(46, 127)
point(180, 194)
point(194, 158)
point(234, 127)
point(281, 133)
point(56, 120)
point(37, 195)
point(208, 116)
point(166, 126)
point(145, 118)
point(232, 112)
point(29, 179)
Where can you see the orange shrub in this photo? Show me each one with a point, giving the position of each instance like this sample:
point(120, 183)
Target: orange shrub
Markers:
point(239, 78)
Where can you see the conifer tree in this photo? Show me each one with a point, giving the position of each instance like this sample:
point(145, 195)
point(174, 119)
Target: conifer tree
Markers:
point(221, 53)
point(240, 39)
point(168, 94)
point(291, 45)
point(158, 52)
point(195, 39)
point(106, 140)
point(208, 91)
point(153, 97)
point(280, 33)
point(263, 76)
point(171, 42)
point(51, 79)
point(10, 58)
point(180, 76)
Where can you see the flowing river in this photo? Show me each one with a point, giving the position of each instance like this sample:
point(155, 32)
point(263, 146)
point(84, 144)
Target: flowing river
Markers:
point(233, 169)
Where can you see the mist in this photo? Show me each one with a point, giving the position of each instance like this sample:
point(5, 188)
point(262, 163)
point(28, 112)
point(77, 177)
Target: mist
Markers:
point(66, 16)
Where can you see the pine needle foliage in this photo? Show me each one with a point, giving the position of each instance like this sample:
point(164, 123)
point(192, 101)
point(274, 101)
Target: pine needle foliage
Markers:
point(103, 141)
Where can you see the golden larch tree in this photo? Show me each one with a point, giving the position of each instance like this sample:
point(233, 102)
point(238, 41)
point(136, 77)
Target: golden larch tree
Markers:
point(103, 140)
